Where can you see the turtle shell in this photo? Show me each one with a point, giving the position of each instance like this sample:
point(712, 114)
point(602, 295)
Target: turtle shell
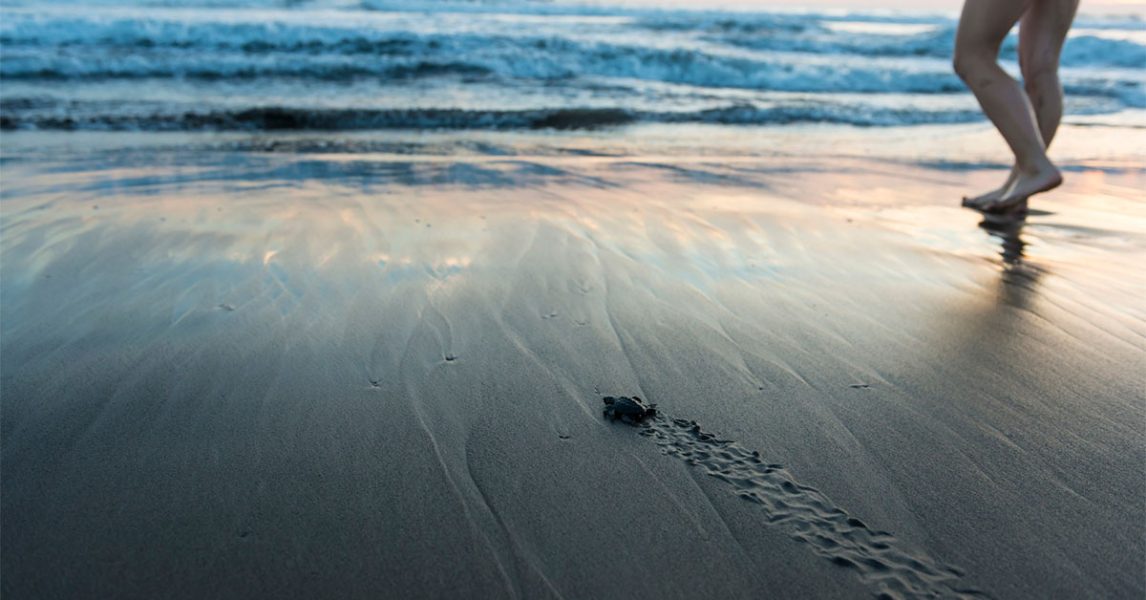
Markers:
point(631, 409)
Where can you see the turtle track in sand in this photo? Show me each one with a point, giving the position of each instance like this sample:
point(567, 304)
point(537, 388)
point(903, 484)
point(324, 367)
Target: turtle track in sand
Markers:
point(809, 516)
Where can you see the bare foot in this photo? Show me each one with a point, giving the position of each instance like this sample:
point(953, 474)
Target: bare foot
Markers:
point(1018, 208)
point(1029, 182)
point(983, 200)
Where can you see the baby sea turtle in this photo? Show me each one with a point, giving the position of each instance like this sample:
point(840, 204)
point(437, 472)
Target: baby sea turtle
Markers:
point(630, 410)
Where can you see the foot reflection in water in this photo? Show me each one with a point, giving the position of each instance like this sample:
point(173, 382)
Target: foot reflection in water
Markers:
point(1019, 278)
point(1008, 229)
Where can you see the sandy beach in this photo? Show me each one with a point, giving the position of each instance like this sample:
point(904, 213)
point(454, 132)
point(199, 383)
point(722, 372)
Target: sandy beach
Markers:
point(273, 368)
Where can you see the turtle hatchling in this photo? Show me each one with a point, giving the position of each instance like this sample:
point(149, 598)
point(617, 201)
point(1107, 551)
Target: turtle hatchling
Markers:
point(630, 410)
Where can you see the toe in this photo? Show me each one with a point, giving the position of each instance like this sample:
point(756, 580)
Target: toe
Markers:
point(1003, 205)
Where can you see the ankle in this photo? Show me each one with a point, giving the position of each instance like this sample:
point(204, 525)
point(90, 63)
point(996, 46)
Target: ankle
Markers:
point(1036, 166)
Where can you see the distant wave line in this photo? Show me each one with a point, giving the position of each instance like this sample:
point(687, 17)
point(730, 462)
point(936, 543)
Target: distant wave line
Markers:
point(20, 113)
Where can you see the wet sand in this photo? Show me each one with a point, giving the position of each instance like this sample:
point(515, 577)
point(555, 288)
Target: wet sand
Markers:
point(240, 374)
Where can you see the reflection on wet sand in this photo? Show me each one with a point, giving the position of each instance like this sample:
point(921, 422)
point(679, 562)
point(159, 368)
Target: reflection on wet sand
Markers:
point(374, 366)
point(1018, 278)
point(1008, 230)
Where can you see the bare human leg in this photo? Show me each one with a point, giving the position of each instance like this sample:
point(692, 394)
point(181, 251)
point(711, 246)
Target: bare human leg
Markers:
point(1042, 31)
point(982, 28)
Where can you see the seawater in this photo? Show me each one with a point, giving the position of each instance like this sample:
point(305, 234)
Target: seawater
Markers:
point(238, 65)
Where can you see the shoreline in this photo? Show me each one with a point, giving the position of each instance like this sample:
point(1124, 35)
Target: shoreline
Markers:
point(1083, 137)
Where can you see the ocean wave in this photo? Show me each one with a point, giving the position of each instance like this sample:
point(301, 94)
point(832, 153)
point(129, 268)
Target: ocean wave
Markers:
point(35, 113)
point(618, 75)
point(754, 52)
point(1129, 94)
point(1079, 51)
point(503, 56)
point(1088, 50)
point(783, 33)
point(236, 72)
point(571, 67)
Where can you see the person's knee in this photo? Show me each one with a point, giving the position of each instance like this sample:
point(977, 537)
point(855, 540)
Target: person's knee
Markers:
point(969, 65)
point(960, 65)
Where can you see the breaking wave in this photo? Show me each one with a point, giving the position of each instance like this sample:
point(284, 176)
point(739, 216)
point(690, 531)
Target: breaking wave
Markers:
point(502, 64)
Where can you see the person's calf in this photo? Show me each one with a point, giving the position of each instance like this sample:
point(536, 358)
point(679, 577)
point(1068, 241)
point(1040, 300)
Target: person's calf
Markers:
point(1042, 86)
point(1045, 92)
